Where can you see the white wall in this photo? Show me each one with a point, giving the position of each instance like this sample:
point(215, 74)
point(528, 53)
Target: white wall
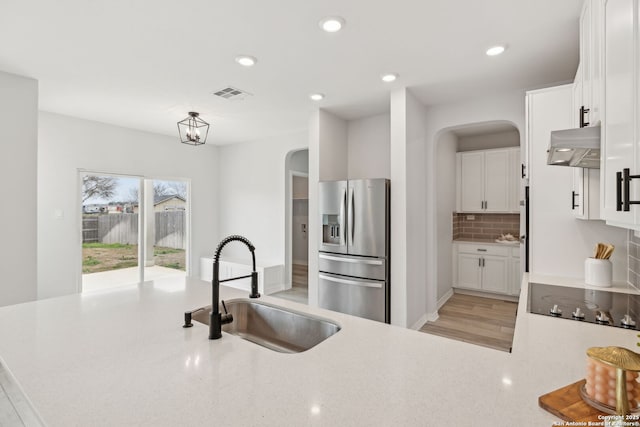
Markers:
point(445, 206)
point(333, 145)
point(559, 242)
point(18, 172)
point(368, 147)
point(300, 218)
point(299, 161)
point(418, 309)
point(408, 300)
point(314, 227)
point(509, 138)
point(398, 169)
point(300, 241)
point(499, 107)
point(66, 144)
point(252, 198)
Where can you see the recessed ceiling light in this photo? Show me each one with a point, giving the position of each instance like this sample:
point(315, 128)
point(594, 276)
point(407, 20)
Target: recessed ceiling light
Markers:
point(389, 77)
point(495, 50)
point(332, 24)
point(316, 96)
point(246, 60)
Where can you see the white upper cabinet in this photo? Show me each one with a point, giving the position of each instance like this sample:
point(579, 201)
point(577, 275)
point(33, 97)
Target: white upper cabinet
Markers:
point(516, 173)
point(589, 74)
point(488, 180)
point(585, 190)
point(496, 181)
point(471, 175)
point(620, 148)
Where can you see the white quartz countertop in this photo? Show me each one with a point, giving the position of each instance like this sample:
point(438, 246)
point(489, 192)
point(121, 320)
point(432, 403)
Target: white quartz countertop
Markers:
point(121, 357)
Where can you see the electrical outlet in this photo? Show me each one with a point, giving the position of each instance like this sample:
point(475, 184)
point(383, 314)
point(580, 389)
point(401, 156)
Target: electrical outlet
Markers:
point(471, 217)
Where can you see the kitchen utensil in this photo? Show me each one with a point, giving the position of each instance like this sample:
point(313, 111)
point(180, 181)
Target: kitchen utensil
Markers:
point(603, 251)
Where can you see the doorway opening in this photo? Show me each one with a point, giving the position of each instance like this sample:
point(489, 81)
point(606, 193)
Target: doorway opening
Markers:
point(133, 229)
point(479, 221)
point(296, 227)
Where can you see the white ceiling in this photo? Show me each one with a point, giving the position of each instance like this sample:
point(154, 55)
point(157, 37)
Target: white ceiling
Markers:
point(145, 63)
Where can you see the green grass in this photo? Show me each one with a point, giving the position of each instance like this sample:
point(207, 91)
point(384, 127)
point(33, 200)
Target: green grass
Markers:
point(175, 265)
point(165, 251)
point(106, 245)
point(125, 264)
point(90, 261)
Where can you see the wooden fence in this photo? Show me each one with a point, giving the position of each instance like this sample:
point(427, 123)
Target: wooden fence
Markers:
point(90, 229)
point(170, 227)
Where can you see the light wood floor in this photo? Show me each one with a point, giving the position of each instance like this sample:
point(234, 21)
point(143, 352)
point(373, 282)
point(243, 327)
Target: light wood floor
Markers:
point(483, 321)
point(299, 276)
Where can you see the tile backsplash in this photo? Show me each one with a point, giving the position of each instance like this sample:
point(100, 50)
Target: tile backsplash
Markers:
point(485, 225)
point(633, 249)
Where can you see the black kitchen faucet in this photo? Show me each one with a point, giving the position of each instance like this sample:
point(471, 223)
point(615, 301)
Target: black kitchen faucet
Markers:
point(217, 319)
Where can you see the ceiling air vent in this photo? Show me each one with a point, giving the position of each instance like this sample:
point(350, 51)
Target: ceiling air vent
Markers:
point(232, 93)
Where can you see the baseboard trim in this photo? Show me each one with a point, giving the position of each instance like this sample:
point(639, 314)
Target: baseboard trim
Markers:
point(501, 297)
point(421, 321)
point(445, 298)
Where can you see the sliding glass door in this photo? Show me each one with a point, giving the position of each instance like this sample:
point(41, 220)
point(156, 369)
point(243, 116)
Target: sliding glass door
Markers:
point(134, 229)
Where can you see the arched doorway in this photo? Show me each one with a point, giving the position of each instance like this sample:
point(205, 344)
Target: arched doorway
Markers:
point(296, 227)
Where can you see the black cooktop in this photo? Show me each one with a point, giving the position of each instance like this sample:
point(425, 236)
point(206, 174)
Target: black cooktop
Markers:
point(585, 305)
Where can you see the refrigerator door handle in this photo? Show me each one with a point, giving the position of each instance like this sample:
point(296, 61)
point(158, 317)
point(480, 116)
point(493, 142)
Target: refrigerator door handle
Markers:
point(343, 205)
point(350, 210)
point(351, 282)
point(351, 260)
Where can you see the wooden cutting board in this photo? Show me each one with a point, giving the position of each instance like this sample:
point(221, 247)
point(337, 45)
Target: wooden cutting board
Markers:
point(566, 403)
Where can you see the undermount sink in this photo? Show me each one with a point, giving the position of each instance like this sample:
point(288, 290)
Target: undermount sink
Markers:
point(276, 328)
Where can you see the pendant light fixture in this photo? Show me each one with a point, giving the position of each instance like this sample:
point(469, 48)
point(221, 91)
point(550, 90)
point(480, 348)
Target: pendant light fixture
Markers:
point(193, 130)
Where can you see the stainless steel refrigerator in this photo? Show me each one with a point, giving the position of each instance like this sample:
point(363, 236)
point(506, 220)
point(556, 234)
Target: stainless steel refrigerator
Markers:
point(354, 267)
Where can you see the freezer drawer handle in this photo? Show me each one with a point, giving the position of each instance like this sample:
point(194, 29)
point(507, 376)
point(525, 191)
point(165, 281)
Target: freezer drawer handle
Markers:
point(350, 282)
point(351, 260)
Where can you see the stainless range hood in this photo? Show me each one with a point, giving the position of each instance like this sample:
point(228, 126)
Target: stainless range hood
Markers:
point(579, 148)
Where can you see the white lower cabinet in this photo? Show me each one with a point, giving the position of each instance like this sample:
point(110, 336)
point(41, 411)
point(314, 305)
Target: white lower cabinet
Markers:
point(515, 274)
point(487, 268)
point(494, 274)
point(469, 271)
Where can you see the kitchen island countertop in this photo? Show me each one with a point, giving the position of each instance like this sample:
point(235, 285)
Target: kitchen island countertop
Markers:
point(121, 357)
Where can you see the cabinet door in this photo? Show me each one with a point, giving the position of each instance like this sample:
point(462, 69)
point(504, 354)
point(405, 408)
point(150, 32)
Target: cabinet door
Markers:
point(471, 181)
point(494, 274)
point(515, 177)
point(469, 271)
point(578, 192)
point(516, 278)
point(585, 56)
point(618, 141)
point(496, 184)
point(577, 97)
point(595, 59)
